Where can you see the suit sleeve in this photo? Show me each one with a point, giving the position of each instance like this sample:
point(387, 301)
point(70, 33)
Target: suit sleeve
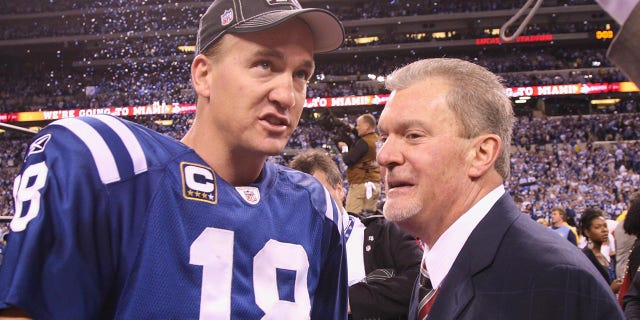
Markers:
point(559, 293)
point(389, 297)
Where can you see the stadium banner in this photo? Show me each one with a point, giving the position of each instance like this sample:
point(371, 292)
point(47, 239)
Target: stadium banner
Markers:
point(318, 102)
point(152, 109)
point(520, 39)
point(571, 89)
point(158, 108)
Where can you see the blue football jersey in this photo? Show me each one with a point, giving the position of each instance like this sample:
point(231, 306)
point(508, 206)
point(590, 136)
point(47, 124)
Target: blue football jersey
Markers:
point(114, 220)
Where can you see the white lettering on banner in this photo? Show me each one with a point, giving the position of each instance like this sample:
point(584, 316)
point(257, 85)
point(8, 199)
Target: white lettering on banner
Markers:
point(155, 108)
point(315, 102)
point(93, 112)
point(350, 101)
point(137, 111)
point(557, 90)
point(59, 114)
point(519, 92)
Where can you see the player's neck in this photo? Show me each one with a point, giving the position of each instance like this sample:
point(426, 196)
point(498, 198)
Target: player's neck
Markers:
point(238, 168)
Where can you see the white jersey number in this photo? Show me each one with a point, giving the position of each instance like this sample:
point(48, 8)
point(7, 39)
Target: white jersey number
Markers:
point(213, 250)
point(23, 192)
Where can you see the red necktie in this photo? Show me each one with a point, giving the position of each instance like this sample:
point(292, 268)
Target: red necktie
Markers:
point(426, 293)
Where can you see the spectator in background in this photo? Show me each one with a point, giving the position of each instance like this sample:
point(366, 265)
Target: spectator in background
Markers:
point(446, 132)
point(543, 221)
point(630, 227)
point(624, 242)
point(593, 227)
point(120, 221)
point(363, 172)
point(559, 225)
point(383, 260)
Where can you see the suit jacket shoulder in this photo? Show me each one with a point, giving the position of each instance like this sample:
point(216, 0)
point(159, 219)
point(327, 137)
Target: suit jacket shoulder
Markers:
point(513, 268)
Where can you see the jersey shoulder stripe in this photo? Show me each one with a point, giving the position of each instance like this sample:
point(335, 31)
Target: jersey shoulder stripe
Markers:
point(130, 141)
point(101, 150)
point(332, 211)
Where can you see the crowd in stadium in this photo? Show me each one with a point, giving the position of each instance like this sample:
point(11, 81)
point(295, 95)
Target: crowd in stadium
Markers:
point(570, 161)
point(54, 89)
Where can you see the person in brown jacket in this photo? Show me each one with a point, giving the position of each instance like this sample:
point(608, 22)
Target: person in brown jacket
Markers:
point(363, 172)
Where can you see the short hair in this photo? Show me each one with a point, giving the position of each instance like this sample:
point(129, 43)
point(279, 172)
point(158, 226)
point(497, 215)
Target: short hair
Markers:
point(369, 119)
point(631, 224)
point(312, 160)
point(476, 96)
point(587, 219)
point(562, 212)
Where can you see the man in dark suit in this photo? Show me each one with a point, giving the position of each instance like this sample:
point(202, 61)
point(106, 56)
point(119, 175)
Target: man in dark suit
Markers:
point(383, 260)
point(446, 131)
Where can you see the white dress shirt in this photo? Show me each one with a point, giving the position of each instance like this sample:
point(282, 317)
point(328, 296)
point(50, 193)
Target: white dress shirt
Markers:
point(355, 244)
point(444, 252)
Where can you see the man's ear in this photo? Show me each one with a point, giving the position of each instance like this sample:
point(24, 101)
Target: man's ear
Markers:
point(200, 69)
point(340, 193)
point(484, 153)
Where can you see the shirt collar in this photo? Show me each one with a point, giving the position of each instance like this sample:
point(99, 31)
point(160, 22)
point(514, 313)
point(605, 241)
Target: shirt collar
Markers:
point(439, 259)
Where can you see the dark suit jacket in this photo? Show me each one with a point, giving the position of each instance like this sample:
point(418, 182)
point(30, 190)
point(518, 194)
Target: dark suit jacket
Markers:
point(514, 268)
point(601, 269)
point(386, 246)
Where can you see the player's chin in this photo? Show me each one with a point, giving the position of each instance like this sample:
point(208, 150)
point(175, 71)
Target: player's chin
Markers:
point(272, 147)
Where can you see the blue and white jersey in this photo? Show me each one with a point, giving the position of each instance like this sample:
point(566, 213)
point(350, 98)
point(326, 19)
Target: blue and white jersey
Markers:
point(114, 220)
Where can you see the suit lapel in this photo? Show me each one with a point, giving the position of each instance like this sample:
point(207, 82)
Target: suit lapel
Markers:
point(457, 290)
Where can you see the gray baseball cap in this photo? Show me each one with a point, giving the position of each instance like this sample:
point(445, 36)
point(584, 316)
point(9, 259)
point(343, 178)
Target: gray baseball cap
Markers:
point(242, 16)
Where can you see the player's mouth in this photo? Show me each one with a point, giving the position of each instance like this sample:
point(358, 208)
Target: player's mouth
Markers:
point(275, 122)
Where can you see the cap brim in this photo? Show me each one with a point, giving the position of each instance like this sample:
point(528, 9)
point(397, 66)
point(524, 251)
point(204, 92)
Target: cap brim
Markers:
point(327, 30)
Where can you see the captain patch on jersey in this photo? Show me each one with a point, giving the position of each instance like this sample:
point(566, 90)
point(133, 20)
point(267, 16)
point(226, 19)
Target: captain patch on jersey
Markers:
point(198, 183)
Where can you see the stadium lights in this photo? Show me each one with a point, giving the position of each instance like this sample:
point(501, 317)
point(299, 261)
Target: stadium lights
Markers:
point(604, 101)
point(365, 40)
point(166, 122)
point(187, 49)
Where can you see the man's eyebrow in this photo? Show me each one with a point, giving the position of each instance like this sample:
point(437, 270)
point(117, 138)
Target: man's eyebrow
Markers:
point(404, 125)
point(272, 53)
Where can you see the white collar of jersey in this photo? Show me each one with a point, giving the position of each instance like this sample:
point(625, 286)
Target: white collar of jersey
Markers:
point(250, 194)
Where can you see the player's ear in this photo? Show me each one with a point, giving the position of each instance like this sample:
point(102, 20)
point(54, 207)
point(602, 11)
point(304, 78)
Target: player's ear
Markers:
point(200, 68)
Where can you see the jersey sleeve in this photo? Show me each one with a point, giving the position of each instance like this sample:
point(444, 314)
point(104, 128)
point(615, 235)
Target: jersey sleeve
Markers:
point(62, 254)
point(331, 296)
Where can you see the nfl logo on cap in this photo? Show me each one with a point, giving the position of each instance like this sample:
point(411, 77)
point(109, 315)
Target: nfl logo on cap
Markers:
point(226, 17)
